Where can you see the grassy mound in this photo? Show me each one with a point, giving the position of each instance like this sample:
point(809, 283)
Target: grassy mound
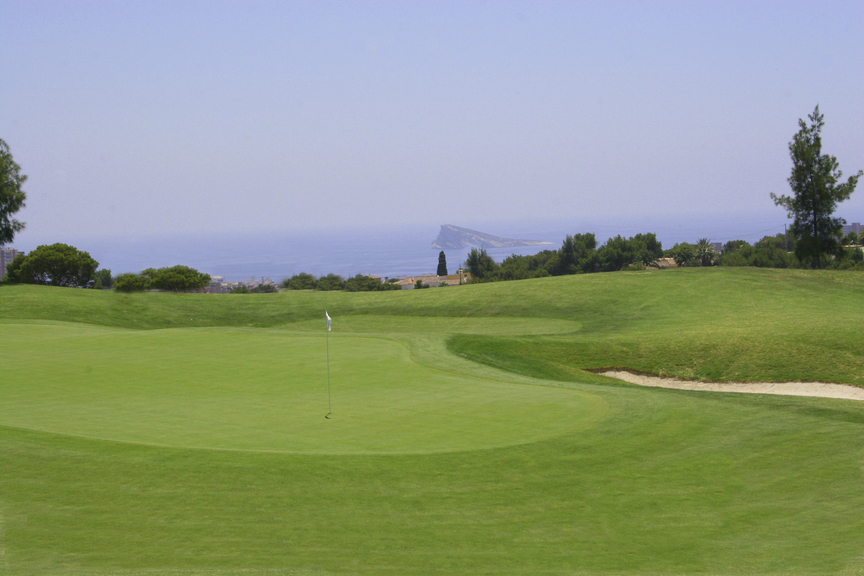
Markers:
point(475, 480)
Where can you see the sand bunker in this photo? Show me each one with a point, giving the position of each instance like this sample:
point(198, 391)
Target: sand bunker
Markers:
point(818, 389)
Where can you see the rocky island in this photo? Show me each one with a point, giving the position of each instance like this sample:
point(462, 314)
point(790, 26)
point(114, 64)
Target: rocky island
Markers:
point(455, 237)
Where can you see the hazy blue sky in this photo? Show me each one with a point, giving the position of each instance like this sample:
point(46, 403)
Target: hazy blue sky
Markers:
point(149, 117)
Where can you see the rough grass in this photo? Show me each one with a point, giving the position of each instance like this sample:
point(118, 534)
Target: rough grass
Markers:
point(666, 482)
point(706, 324)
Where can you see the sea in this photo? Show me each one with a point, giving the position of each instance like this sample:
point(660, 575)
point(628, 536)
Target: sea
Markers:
point(390, 251)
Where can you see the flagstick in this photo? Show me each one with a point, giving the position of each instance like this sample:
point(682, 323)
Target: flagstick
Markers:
point(329, 404)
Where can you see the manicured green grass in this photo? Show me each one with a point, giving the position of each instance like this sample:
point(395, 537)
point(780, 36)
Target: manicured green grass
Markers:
point(539, 469)
point(243, 389)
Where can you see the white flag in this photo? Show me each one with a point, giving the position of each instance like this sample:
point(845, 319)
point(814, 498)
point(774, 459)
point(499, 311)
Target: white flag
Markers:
point(328, 320)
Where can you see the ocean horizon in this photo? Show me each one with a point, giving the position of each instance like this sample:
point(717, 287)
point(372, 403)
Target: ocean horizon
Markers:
point(388, 251)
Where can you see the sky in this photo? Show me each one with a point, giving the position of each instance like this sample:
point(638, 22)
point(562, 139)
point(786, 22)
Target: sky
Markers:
point(150, 118)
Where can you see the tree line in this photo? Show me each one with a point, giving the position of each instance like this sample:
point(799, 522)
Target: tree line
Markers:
point(66, 266)
point(781, 251)
point(578, 255)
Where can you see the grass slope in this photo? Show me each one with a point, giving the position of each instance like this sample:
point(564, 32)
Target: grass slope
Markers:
point(717, 323)
point(665, 482)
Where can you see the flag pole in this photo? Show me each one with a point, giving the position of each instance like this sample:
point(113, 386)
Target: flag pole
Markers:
point(329, 403)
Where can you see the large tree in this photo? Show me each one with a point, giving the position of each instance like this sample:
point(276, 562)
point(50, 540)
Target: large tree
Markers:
point(54, 265)
point(11, 195)
point(814, 183)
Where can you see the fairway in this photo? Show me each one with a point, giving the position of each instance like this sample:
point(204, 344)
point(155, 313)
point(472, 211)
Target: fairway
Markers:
point(265, 390)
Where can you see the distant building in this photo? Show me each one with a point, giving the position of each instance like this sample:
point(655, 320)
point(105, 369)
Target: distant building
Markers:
point(6, 257)
point(253, 282)
point(855, 227)
point(409, 282)
point(461, 277)
point(219, 286)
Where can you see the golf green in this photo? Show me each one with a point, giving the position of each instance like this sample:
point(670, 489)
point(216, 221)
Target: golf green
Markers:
point(265, 390)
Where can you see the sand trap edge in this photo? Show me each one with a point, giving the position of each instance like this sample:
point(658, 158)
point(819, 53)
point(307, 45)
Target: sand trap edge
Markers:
point(795, 388)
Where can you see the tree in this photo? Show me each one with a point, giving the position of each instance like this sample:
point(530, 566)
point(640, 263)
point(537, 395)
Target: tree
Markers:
point(576, 254)
point(683, 253)
point(301, 281)
point(648, 249)
point(442, 264)
point(178, 279)
point(481, 265)
point(173, 279)
point(733, 245)
point(129, 282)
point(103, 279)
point(54, 265)
point(615, 254)
point(363, 283)
point(705, 252)
point(618, 253)
point(769, 252)
point(851, 239)
point(331, 282)
point(12, 197)
point(814, 182)
point(514, 267)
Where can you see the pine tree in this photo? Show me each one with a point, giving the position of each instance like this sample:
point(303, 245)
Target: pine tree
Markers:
point(814, 181)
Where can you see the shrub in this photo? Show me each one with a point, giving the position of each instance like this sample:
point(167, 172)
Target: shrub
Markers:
point(179, 279)
point(173, 279)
